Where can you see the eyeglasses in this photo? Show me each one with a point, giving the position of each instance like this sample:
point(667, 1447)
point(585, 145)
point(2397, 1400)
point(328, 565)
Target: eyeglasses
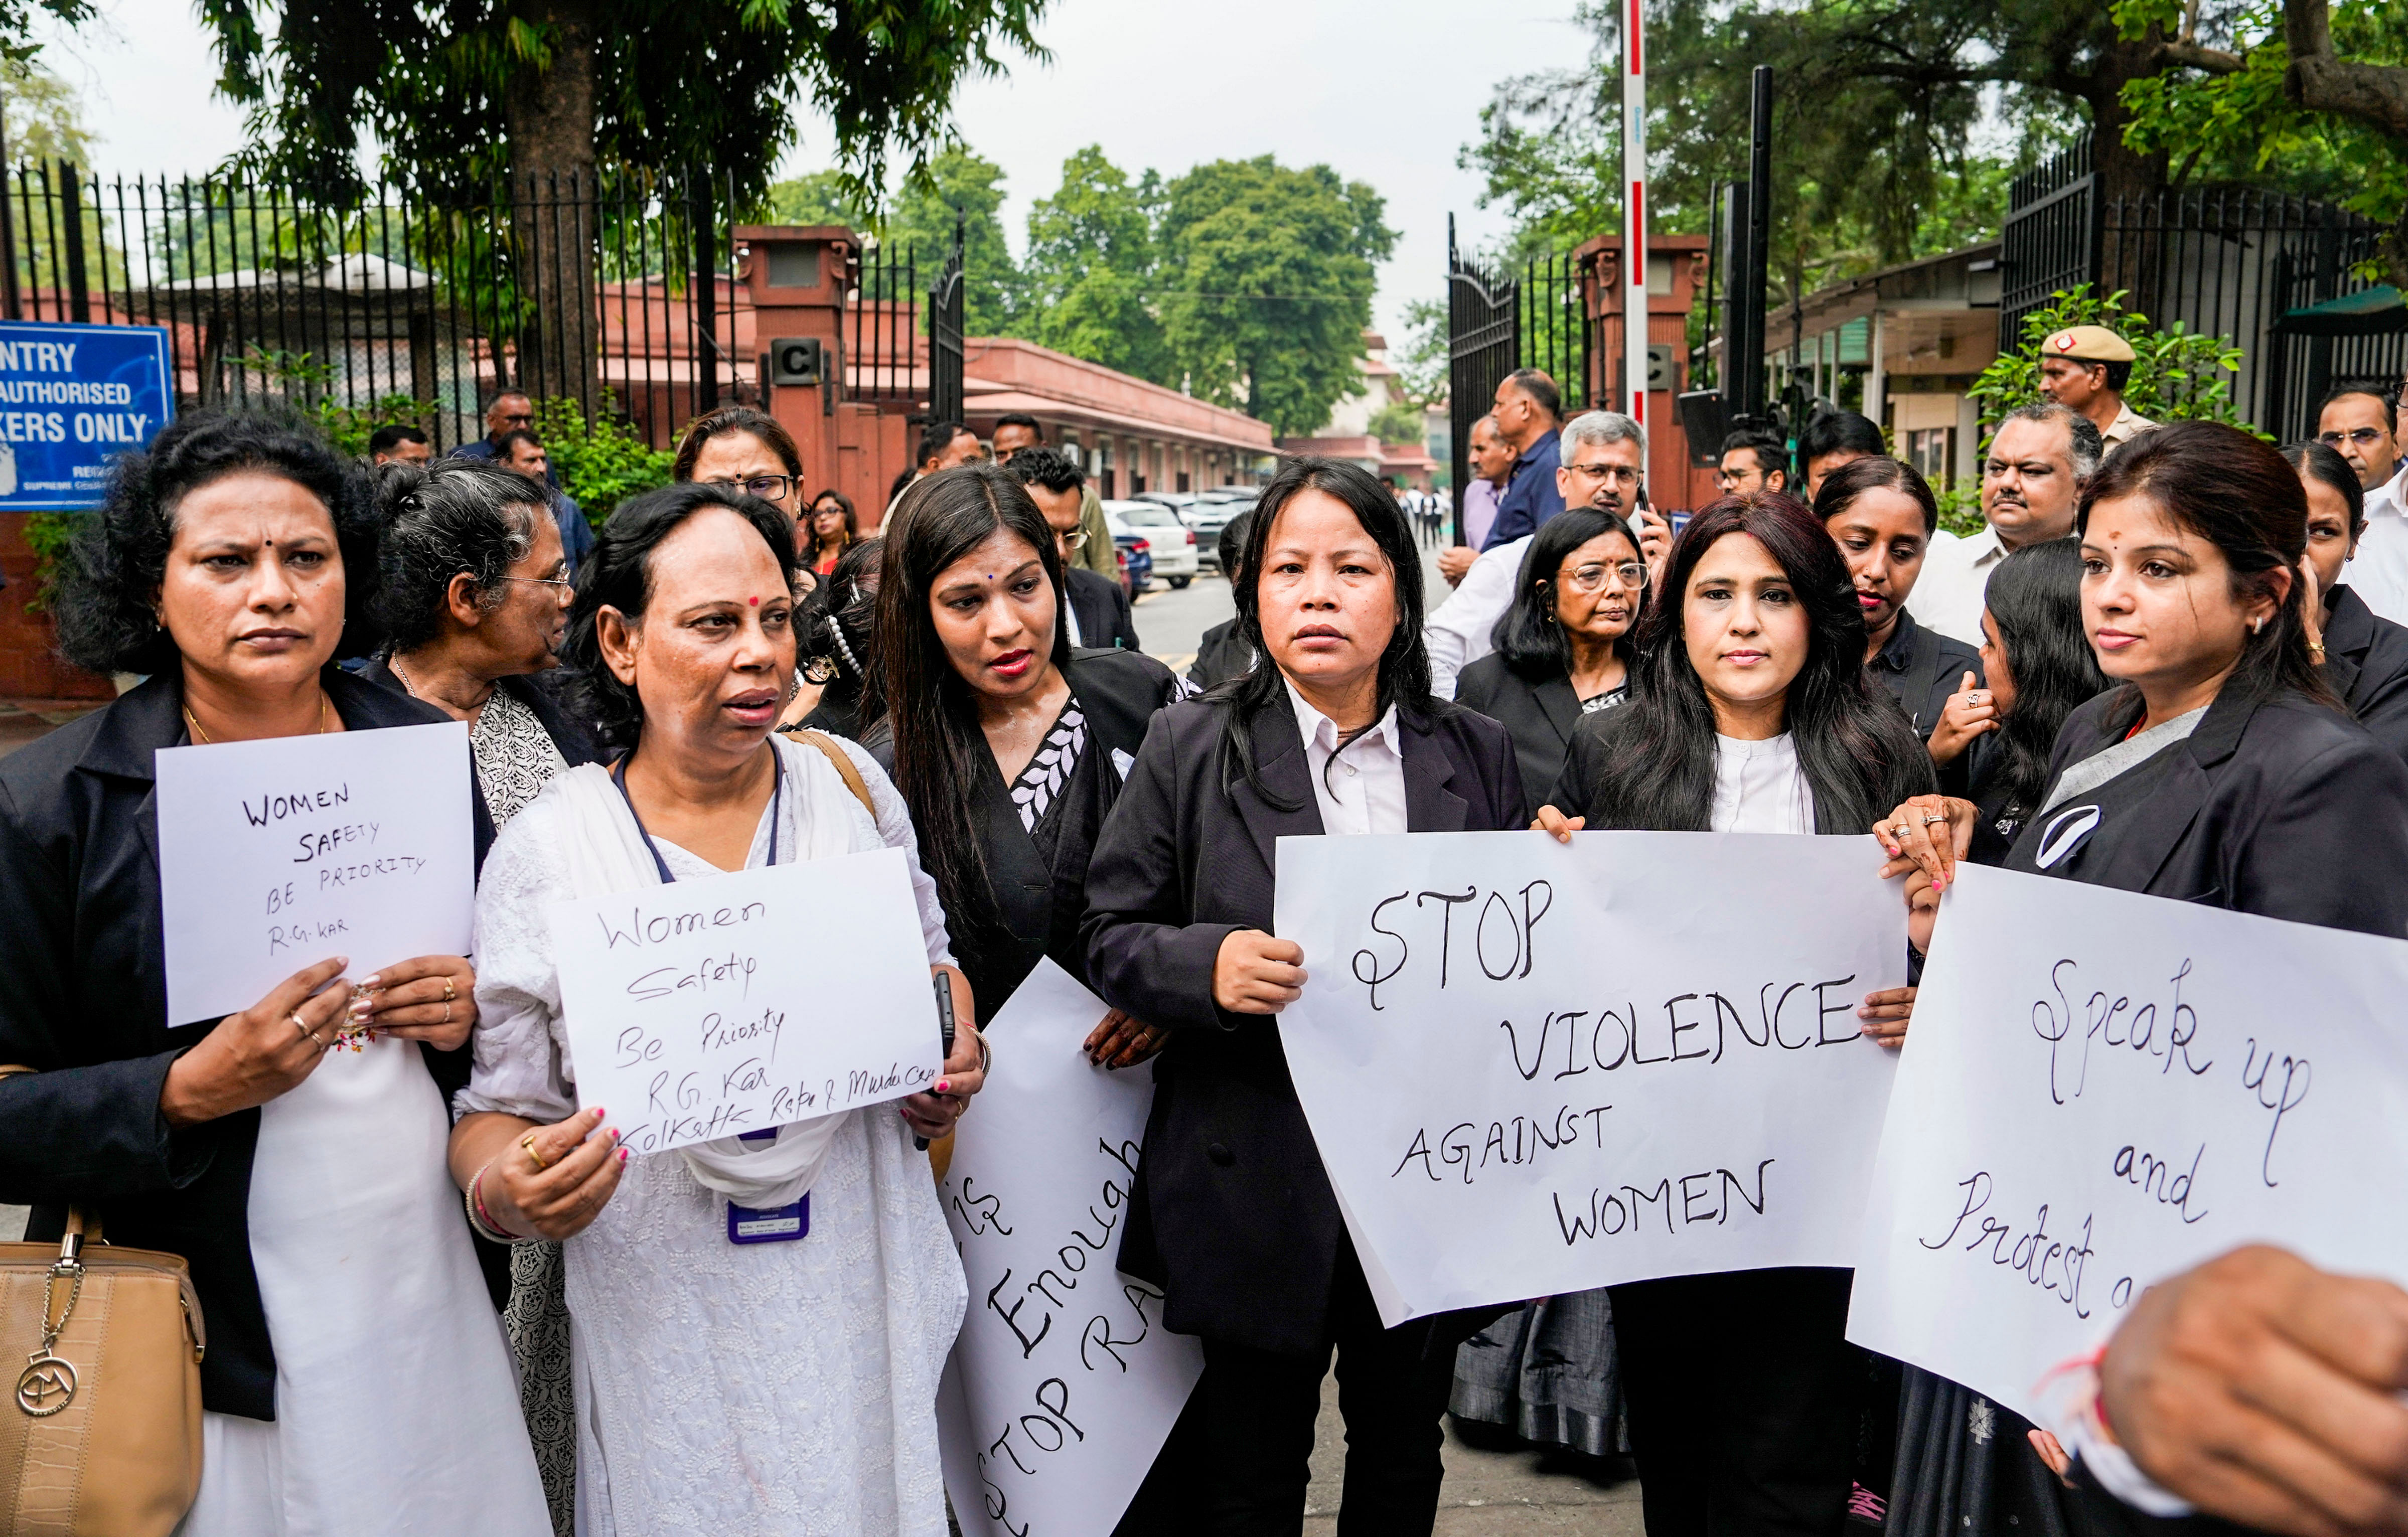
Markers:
point(1729, 478)
point(1589, 579)
point(1618, 474)
point(1073, 542)
point(769, 488)
point(544, 581)
point(2362, 437)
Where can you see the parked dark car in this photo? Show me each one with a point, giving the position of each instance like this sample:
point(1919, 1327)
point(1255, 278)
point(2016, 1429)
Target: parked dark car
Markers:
point(1135, 558)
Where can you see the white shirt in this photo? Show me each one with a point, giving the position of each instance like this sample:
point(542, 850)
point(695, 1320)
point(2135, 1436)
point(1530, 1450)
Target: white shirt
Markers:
point(1760, 787)
point(2379, 572)
point(1457, 632)
point(1069, 614)
point(1950, 593)
point(1364, 791)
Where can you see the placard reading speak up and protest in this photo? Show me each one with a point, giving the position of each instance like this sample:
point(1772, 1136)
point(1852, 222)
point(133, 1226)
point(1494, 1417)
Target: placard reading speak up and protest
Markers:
point(1532, 1068)
point(2101, 1090)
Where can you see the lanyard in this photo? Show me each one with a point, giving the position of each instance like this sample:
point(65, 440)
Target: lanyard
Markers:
point(776, 800)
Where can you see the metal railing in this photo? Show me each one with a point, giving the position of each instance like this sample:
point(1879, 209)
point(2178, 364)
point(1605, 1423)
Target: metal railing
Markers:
point(617, 291)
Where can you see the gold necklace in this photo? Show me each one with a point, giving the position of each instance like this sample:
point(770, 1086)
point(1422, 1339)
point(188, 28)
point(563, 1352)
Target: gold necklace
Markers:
point(194, 721)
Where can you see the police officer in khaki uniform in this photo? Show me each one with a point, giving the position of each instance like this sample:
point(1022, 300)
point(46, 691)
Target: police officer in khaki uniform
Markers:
point(2086, 367)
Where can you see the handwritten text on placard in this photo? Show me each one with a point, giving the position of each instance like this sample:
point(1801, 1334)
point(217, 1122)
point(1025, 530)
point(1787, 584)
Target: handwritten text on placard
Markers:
point(1533, 1069)
point(1063, 1382)
point(2101, 1089)
point(703, 1008)
point(277, 855)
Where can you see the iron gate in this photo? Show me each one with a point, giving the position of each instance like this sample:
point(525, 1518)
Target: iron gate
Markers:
point(2051, 238)
point(945, 303)
point(1483, 346)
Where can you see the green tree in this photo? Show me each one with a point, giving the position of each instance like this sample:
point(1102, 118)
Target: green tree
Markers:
point(959, 184)
point(1092, 258)
point(2293, 93)
point(1398, 423)
point(581, 88)
point(1422, 361)
point(820, 198)
point(1879, 107)
point(1267, 276)
point(2177, 375)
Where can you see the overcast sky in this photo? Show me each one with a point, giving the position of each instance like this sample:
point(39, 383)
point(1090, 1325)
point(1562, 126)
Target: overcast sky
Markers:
point(1384, 91)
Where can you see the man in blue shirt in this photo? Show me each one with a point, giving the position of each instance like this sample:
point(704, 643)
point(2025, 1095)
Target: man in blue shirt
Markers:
point(523, 451)
point(1526, 412)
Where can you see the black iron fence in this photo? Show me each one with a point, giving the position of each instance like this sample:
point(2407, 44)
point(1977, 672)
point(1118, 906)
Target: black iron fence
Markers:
point(619, 291)
point(2229, 262)
point(1499, 320)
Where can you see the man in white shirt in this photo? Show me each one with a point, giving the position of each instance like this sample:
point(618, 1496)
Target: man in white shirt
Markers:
point(2031, 477)
point(1602, 462)
point(2357, 422)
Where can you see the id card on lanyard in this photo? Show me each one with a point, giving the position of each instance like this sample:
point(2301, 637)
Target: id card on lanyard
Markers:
point(745, 1224)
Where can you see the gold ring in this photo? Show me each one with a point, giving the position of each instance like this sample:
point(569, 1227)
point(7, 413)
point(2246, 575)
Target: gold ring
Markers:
point(449, 992)
point(527, 1142)
point(295, 1017)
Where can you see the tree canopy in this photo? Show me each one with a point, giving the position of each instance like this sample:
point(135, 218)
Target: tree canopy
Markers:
point(456, 92)
point(1247, 282)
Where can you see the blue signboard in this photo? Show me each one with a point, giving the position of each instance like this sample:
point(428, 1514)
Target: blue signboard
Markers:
point(72, 397)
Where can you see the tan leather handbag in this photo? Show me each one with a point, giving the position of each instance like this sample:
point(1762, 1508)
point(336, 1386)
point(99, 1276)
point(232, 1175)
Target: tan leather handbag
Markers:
point(101, 1435)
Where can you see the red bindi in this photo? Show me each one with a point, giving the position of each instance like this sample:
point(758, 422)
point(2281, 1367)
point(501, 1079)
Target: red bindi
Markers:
point(754, 601)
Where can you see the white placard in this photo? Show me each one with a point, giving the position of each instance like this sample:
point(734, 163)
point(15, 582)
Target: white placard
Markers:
point(1532, 1068)
point(1063, 1382)
point(702, 1009)
point(277, 855)
point(2101, 1089)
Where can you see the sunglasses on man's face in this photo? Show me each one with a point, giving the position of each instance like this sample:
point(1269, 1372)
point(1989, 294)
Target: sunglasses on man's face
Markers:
point(2362, 437)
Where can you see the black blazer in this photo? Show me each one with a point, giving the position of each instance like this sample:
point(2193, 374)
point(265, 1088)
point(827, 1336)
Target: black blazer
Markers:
point(1102, 606)
point(1540, 717)
point(83, 1001)
point(2366, 662)
point(1040, 879)
point(577, 746)
point(2276, 805)
point(1921, 668)
point(1232, 1213)
point(1220, 655)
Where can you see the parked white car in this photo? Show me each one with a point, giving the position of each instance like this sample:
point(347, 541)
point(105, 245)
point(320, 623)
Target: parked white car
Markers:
point(1172, 542)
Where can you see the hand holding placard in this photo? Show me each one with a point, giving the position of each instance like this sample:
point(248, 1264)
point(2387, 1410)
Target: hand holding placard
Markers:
point(694, 1013)
point(274, 855)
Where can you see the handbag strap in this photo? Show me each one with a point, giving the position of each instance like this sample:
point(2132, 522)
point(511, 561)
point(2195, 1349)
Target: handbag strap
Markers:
point(843, 761)
point(82, 1224)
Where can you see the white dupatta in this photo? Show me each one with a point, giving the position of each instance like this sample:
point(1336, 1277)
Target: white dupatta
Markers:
point(606, 853)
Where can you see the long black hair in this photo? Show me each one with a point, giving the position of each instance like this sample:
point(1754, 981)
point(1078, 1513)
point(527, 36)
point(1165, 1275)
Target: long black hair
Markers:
point(941, 752)
point(1861, 756)
point(2235, 491)
point(2311, 457)
point(618, 574)
point(1527, 634)
point(1404, 665)
point(2035, 602)
point(107, 608)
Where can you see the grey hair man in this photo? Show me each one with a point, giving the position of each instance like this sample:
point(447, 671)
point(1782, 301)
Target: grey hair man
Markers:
point(2031, 477)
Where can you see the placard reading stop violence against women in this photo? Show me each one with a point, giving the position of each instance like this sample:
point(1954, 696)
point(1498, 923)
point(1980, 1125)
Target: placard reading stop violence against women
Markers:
point(277, 855)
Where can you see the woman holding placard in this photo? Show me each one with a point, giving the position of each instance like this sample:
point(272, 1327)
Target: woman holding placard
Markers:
point(475, 603)
point(1751, 712)
point(723, 1383)
point(1564, 646)
point(2224, 768)
point(1006, 743)
point(355, 1379)
point(1233, 1213)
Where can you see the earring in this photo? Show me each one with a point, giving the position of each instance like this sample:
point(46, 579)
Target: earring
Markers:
point(2257, 625)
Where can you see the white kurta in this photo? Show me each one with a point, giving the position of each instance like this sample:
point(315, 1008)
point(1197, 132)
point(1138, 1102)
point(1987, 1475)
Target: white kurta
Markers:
point(397, 1407)
point(766, 1388)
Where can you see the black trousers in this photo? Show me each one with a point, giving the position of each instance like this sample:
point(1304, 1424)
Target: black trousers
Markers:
point(1237, 1461)
point(1743, 1394)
